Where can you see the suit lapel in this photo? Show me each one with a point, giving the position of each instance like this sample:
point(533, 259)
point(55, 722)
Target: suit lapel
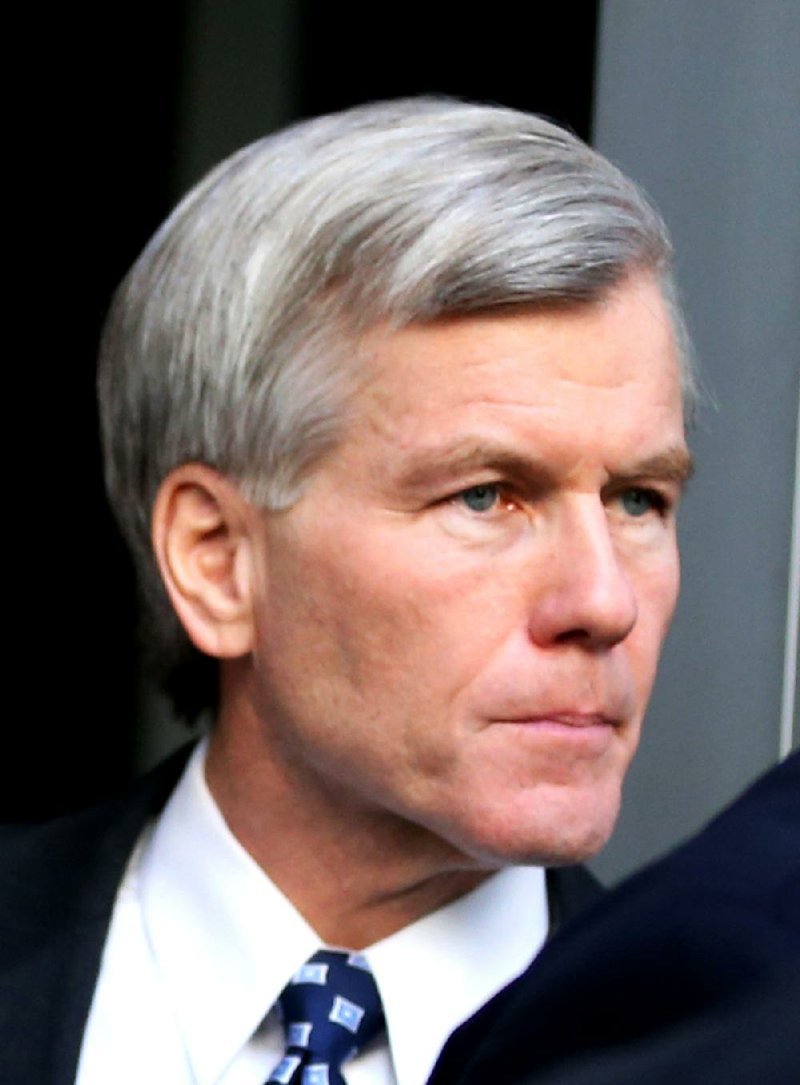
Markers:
point(58, 884)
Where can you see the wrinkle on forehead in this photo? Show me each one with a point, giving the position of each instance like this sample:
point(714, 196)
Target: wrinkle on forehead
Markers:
point(575, 371)
point(470, 427)
point(571, 346)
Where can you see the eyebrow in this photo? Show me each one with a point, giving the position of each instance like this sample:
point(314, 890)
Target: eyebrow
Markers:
point(673, 465)
point(429, 465)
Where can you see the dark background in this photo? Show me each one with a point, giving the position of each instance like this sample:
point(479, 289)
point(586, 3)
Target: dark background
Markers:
point(104, 139)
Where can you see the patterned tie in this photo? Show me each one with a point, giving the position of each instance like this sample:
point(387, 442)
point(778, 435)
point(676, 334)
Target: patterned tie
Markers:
point(331, 1009)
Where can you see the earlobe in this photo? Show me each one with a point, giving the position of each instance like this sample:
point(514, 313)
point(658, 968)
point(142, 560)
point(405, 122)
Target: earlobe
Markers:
point(202, 540)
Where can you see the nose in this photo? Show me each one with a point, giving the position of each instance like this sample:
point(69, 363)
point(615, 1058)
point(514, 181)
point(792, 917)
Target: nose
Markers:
point(585, 595)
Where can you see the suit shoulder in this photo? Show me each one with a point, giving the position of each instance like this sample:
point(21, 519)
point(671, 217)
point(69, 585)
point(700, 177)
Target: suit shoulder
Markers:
point(74, 861)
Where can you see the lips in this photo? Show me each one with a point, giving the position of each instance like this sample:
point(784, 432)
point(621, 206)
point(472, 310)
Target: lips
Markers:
point(564, 719)
point(569, 735)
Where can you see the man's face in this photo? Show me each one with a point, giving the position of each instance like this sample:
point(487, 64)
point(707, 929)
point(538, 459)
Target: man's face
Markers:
point(459, 621)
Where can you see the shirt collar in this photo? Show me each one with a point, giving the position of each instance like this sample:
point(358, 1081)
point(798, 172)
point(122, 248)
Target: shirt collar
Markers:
point(437, 972)
point(211, 916)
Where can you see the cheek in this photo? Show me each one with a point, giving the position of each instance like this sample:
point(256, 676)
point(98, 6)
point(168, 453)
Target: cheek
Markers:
point(353, 619)
point(658, 594)
point(664, 591)
point(396, 604)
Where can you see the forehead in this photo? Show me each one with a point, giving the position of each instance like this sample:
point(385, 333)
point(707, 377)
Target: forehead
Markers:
point(613, 362)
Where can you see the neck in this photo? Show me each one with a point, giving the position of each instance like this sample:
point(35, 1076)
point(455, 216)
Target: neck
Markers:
point(356, 873)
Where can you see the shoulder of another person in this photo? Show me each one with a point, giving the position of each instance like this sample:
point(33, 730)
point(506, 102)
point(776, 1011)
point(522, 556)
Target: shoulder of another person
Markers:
point(570, 889)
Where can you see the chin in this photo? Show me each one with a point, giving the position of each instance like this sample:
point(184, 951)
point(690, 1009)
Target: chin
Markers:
point(555, 829)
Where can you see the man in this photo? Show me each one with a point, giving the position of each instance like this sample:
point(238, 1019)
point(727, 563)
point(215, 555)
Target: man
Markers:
point(393, 417)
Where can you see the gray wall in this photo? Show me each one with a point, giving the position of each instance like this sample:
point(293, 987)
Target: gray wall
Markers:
point(700, 102)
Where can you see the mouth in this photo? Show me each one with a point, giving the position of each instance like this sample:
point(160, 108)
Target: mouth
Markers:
point(572, 720)
point(590, 732)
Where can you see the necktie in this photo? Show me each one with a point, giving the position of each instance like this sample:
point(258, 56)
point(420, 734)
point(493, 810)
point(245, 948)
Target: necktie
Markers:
point(331, 1009)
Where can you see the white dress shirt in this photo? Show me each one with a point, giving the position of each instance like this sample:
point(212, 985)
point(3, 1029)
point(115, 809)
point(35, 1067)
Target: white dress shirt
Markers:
point(202, 943)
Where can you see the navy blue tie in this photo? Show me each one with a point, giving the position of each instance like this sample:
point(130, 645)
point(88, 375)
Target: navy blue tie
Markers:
point(331, 1009)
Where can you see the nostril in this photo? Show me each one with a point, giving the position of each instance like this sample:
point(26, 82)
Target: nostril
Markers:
point(594, 605)
point(573, 634)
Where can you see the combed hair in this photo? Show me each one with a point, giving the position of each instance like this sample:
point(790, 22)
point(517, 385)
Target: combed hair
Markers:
point(229, 341)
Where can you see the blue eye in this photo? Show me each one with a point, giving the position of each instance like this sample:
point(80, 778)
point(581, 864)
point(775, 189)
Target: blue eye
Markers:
point(480, 498)
point(638, 501)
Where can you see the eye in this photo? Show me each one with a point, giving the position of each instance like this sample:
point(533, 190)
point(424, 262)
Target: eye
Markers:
point(481, 498)
point(639, 501)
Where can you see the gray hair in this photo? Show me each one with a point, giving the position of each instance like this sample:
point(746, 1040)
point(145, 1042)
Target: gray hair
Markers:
point(228, 342)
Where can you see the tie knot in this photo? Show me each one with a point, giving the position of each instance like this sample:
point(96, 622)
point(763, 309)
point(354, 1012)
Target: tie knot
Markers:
point(331, 1009)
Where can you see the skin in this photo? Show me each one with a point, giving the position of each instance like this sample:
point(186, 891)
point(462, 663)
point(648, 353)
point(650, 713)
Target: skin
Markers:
point(447, 645)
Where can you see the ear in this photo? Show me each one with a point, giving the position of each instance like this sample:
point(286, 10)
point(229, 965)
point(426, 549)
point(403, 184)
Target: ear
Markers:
point(202, 535)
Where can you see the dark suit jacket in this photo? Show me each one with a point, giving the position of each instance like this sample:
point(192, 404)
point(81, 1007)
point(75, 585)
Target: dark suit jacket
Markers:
point(688, 974)
point(57, 888)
